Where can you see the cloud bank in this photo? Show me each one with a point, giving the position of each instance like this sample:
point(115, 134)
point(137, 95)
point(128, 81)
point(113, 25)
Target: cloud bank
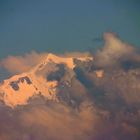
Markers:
point(19, 64)
point(107, 92)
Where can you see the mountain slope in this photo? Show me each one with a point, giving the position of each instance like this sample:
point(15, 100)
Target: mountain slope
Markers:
point(44, 79)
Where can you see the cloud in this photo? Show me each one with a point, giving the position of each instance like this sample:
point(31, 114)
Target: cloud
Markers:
point(113, 50)
point(60, 122)
point(102, 103)
point(53, 121)
point(117, 91)
point(120, 66)
point(19, 64)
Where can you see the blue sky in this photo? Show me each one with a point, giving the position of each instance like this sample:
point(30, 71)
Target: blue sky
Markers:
point(65, 25)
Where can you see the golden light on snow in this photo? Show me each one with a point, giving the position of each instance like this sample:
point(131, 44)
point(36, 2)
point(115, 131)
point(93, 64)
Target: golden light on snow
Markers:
point(99, 73)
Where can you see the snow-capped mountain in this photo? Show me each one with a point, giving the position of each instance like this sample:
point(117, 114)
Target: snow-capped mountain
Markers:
point(44, 79)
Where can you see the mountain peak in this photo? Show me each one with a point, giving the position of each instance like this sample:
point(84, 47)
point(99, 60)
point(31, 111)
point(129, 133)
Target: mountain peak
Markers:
point(59, 59)
point(44, 79)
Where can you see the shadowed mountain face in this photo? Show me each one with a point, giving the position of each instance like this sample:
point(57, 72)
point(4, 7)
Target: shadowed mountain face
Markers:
point(75, 98)
point(58, 74)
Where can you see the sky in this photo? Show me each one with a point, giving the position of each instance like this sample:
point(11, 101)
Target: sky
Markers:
point(65, 25)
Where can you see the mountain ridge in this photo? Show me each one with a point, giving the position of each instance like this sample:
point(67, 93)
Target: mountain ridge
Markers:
point(42, 79)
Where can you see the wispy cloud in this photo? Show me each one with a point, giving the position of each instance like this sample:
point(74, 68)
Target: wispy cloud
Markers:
point(19, 64)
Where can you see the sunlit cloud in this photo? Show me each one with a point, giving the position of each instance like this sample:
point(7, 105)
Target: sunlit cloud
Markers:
point(102, 102)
